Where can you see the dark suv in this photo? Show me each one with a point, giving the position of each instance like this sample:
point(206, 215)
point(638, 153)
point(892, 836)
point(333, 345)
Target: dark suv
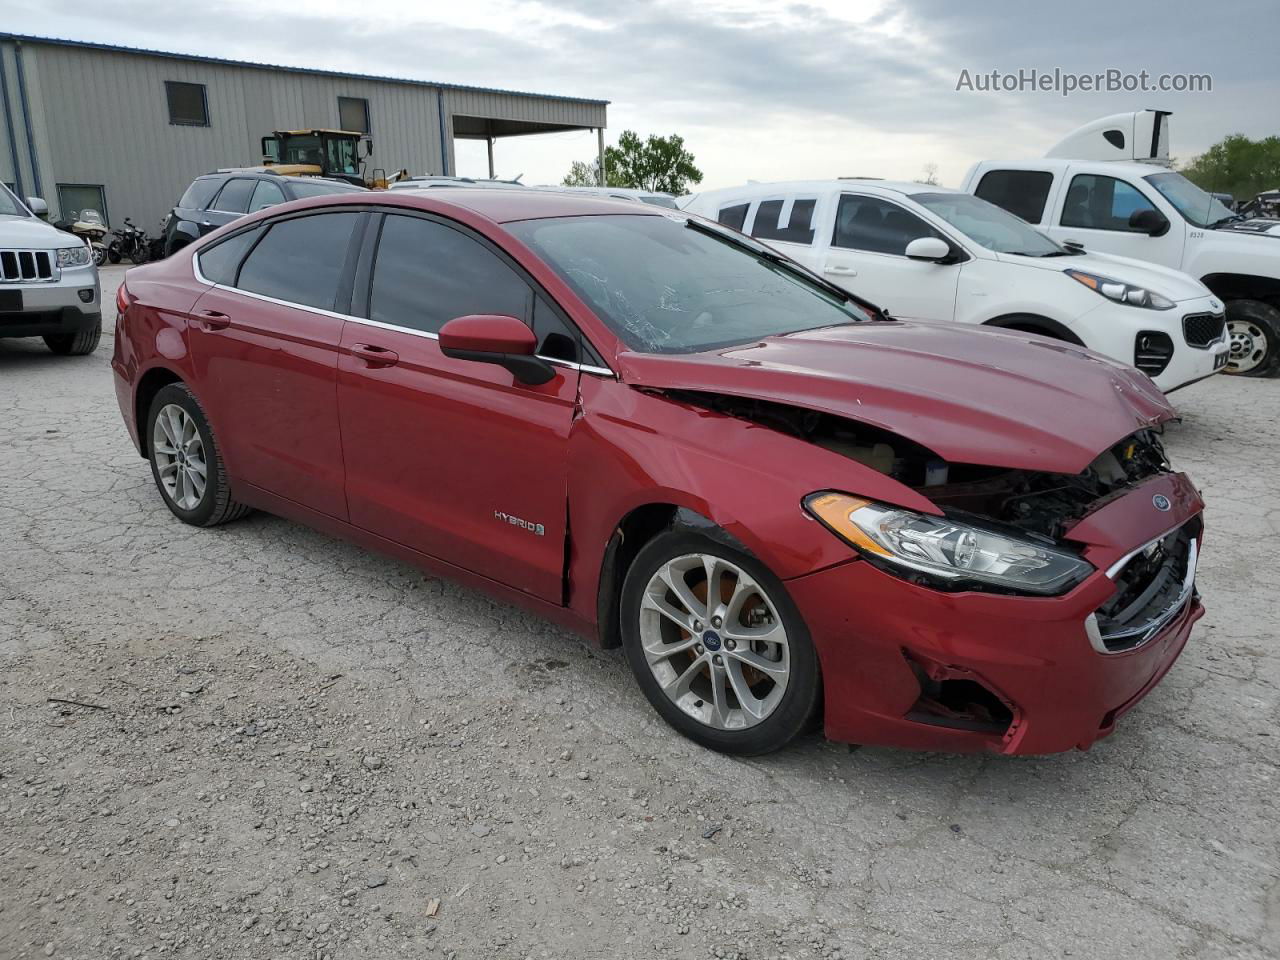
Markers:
point(218, 198)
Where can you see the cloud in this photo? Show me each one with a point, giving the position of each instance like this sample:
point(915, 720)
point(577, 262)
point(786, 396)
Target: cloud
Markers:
point(758, 89)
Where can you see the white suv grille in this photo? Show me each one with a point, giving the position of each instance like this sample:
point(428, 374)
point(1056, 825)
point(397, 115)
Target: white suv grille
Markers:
point(25, 266)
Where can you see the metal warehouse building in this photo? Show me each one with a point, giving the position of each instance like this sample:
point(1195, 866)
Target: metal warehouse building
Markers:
point(125, 130)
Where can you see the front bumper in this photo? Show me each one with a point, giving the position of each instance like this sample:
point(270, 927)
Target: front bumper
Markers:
point(52, 307)
point(884, 643)
point(1117, 331)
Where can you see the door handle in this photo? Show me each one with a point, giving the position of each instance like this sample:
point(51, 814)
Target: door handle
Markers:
point(213, 320)
point(374, 356)
point(842, 271)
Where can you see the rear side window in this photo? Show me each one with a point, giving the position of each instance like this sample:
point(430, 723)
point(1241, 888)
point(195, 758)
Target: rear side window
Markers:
point(320, 188)
point(1022, 192)
point(200, 193)
point(775, 222)
point(1102, 203)
point(427, 273)
point(734, 216)
point(300, 260)
point(265, 194)
point(877, 226)
point(220, 262)
point(234, 197)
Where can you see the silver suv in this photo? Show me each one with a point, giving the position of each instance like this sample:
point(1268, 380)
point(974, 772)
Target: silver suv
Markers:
point(48, 283)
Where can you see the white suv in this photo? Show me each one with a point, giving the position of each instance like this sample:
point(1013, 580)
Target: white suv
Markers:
point(48, 283)
point(1108, 187)
point(924, 252)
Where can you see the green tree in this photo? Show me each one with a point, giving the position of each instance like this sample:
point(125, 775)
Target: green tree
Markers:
point(1238, 166)
point(661, 164)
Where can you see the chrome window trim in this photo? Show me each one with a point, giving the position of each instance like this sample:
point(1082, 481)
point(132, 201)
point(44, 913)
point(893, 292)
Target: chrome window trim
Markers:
point(1149, 630)
point(1119, 565)
point(555, 362)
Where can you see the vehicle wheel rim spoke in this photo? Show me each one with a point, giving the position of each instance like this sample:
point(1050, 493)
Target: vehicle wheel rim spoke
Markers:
point(178, 452)
point(724, 662)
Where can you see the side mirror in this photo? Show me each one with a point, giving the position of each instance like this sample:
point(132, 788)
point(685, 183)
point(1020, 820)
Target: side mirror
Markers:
point(1148, 221)
point(494, 338)
point(38, 206)
point(367, 143)
point(928, 248)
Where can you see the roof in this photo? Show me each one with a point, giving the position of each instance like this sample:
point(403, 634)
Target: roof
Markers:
point(755, 190)
point(505, 206)
point(222, 61)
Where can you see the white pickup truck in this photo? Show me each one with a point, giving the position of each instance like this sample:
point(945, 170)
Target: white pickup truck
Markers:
point(1109, 188)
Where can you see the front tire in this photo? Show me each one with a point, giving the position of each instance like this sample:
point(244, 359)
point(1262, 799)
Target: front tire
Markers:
point(113, 251)
point(717, 646)
point(185, 462)
point(1253, 331)
point(77, 344)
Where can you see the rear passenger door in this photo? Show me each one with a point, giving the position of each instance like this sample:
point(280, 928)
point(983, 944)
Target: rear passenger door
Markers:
point(444, 455)
point(867, 257)
point(264, 342)
point(788, 224)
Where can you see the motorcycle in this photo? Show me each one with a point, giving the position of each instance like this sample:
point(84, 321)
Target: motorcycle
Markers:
point(88, 226)
point(131, 242)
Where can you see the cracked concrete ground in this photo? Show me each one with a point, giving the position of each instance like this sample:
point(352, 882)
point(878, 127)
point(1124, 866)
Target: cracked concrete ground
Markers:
point(306, 750)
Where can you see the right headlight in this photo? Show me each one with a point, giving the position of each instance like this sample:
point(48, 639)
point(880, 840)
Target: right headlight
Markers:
point(1121, 292)
point(951, 553)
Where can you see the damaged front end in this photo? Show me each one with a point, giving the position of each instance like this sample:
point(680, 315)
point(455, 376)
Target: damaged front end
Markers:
point(1039, 503)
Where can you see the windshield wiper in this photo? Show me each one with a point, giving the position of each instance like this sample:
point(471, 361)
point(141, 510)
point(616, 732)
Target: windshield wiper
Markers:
point(766, 253)
point(1221, 221)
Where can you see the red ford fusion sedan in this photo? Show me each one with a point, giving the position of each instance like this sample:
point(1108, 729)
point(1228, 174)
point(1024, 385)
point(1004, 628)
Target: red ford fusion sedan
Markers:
point(783, 505)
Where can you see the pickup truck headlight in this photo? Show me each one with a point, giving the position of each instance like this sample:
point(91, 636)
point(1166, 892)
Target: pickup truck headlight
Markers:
point(949, 554)
point(73, 256)
point(1121, 292)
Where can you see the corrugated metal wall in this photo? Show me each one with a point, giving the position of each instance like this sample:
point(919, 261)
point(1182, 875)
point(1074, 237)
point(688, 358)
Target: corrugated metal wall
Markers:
point(101, 117)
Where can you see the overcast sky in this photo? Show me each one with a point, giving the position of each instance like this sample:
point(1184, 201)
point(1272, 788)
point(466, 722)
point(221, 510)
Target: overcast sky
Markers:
point(759, 90)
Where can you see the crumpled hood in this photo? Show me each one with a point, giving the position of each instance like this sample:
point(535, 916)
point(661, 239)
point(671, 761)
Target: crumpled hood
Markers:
point(1174, 284)
point(992, 397)
point(29, 233)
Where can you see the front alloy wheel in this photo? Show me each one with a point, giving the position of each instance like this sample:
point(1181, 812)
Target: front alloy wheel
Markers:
point(717, 645)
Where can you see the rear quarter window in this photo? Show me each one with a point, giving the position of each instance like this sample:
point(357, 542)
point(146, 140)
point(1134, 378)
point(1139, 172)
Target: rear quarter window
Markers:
point(200, 193)
point(1022, 192)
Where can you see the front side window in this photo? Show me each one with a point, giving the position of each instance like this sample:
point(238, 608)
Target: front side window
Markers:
point(188, 105)
point(234, 196)
point(10, 205)
point(265, 194)
point(775, 222)
point(666, 285)
point(200, 193)
point(426, 274)
point(877, 226)
point(1102, 203)
point(1199, 208)
point(320, 188)
point(1022, 192)
point(300, 260)
point(989, 225)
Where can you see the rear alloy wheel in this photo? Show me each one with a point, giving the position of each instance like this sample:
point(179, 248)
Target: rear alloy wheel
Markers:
point(185, 462)
point(717, 646)
point(1253, 332)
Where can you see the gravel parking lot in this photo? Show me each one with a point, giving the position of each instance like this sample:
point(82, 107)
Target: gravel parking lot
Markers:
point(256, 741)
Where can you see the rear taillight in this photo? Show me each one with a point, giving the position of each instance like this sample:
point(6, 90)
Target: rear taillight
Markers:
point(122, 299)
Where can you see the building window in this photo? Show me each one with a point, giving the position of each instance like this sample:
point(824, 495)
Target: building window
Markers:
point(188, 104)
point(353, 114)
point(74, 197)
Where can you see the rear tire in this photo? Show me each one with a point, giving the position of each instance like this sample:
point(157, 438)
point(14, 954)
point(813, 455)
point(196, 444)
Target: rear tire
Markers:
point(75, 344)
point(738, 674)
point(1253, 331)
point(185, 462)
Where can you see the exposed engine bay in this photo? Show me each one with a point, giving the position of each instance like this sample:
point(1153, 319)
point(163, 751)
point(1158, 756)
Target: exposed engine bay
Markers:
point(1045, 504)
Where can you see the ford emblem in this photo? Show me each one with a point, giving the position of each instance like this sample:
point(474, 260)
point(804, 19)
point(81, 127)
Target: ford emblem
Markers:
point(1161, 502)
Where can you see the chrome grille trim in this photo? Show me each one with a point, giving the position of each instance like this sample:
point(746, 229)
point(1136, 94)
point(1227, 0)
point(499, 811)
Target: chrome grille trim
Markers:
point(27, 266)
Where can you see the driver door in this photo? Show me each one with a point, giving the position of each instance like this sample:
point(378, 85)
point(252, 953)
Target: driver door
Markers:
point(868, 257)
point(1095, 212)
point(453, 458)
